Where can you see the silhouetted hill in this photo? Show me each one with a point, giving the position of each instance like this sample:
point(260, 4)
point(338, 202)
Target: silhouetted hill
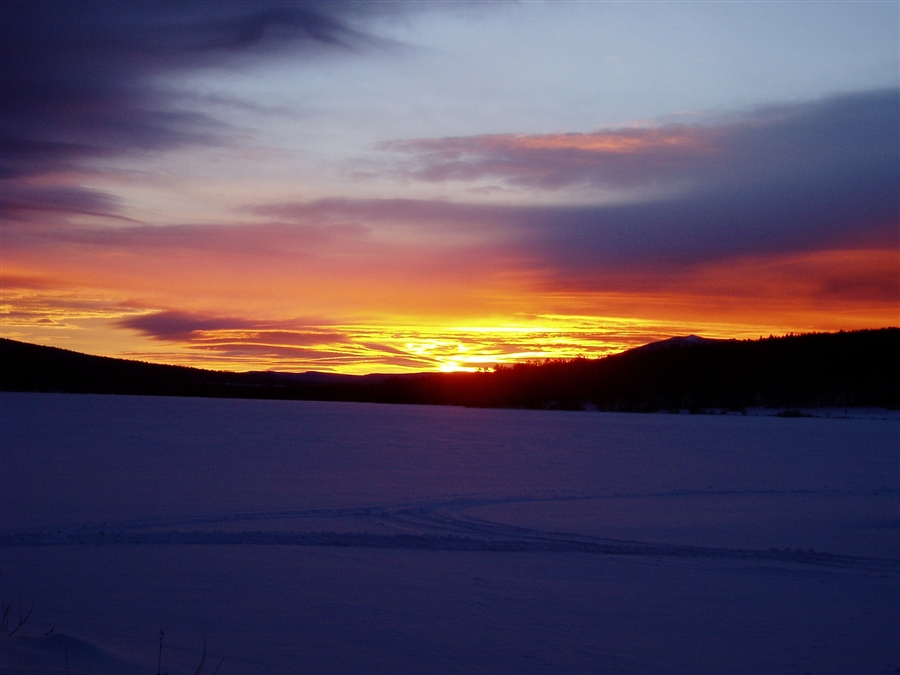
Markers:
point(860, 368)
point(815, 370)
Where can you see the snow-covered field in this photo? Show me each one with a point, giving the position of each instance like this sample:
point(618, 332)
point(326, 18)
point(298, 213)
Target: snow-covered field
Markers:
point(304, 537)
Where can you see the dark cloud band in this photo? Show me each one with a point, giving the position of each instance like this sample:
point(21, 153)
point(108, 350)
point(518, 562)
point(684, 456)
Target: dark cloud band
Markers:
point(77, 77)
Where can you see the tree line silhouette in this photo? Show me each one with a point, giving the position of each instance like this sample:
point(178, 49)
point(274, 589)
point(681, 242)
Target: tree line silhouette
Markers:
point(858, 368)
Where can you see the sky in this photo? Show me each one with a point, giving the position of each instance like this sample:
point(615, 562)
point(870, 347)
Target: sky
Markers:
point(414, 186)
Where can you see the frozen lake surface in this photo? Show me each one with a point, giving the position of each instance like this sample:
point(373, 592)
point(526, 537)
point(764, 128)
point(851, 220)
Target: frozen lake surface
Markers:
point(304, 537)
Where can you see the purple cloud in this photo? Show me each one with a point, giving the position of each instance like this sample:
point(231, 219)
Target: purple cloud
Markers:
point(174, 325)
point(187, 326)
point(21, 202)
point(849, 134)
point(316, 346)
point(77, 78)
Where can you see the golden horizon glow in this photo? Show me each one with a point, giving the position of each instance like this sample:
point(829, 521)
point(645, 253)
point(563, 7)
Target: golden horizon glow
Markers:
point(521, 318)
point(364, 348)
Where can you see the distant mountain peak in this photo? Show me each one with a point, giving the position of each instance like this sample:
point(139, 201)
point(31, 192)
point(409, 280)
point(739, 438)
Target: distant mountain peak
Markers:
point(691, 340)
point(678, 341)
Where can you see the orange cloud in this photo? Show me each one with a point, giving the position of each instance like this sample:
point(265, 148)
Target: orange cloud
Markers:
point(629, 141)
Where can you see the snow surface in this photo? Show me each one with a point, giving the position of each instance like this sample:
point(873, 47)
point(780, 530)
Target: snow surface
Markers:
point(304, 537)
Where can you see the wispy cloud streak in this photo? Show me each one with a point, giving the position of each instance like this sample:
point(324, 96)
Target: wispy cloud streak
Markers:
point(81, 81)
point(849, 135)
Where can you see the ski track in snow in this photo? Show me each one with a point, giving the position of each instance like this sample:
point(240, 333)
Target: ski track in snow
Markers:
point(434, 526)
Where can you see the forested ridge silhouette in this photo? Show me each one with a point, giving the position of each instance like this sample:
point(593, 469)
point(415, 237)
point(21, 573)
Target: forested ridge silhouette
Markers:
point(845, 369)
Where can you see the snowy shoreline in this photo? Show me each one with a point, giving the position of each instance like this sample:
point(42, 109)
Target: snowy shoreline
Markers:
point(348, 538)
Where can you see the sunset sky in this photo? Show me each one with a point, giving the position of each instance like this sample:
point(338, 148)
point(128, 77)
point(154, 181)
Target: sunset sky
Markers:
point(380, 187)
